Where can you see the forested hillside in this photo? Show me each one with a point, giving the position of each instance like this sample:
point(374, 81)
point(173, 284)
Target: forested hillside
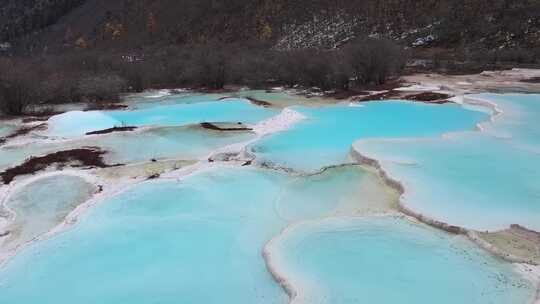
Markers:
point(20, 17)
point(91, 50)
point(446, 23)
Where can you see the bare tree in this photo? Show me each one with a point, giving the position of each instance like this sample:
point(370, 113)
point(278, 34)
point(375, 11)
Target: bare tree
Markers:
point(19, 87)
point(102, 87)
point(373, 60)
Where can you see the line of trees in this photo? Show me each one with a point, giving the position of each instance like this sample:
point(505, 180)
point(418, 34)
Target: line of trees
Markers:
point(101, 76)
point(18, 83)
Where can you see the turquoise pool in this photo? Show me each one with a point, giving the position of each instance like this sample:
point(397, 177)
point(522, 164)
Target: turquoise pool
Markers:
point(331, 230)
point(43, 204)
point(76, 123)
point(481, 180)
point(391, 260)
point(327, 134)
point(168, 241)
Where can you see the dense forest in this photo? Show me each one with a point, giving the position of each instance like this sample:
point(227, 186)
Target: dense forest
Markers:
point(73, 50)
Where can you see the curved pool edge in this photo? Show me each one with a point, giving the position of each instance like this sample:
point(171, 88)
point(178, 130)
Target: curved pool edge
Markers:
point(398, 186)
point(497, 113)
point(277, 123)
point(528, 272)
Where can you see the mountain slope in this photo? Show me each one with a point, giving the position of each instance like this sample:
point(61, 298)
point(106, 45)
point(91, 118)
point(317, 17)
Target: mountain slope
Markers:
point(18, 18)
point(490, 23)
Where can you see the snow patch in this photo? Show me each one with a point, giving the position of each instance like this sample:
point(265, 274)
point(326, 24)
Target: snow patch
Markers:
point(420, 88)
point(423, 41)
point(285, 120)
point(158, 94)
point(322, 31)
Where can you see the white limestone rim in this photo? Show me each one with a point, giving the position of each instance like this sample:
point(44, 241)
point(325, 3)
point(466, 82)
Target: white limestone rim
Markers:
point(199, 167)
point(7, 191)
point(532, 275)
point(464, 100)
point(427, 87)
point(274, 266)
point(294, 289)
point(286, 119)
point(109, 189)
point(27, 140)
point(280, 122)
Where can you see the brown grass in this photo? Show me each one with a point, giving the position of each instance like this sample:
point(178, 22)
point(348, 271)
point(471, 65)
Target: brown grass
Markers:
point(427, 97)
point(23, 131)
point(430, 97)
point(84, 157)
point(392, 94)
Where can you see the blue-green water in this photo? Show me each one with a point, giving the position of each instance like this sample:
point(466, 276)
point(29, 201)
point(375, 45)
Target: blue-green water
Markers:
point(198, 240)
point(38, 210)
point(188, 143)
point(167, 97)
point(14, 155)
point(5, 129)
point(277, 98)
point(481, 180)
point(283, 98)
point(72, 124)
point(325, 137)
point(519, 121)
point(390, 260)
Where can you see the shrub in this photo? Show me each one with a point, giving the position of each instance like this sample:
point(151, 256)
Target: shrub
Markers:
point(316, 69)
point(209, 65)
point(341, 72)
point(372, 61)
point(60, 88)
point(102, 88)
point(19, 88)
point(518, 55)
point(96, 75)
point(254, 67)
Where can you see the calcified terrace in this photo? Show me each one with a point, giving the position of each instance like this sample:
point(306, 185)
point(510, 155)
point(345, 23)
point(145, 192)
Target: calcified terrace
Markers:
point(247, 158)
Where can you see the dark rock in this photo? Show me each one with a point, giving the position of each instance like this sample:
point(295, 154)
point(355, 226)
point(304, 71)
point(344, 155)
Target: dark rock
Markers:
point(430, 97)
point(23, 131)
point(211, 126)
point(105, 106)
point(154, 176)
point(111, 130)
point(531, 80)
point(259, 102)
